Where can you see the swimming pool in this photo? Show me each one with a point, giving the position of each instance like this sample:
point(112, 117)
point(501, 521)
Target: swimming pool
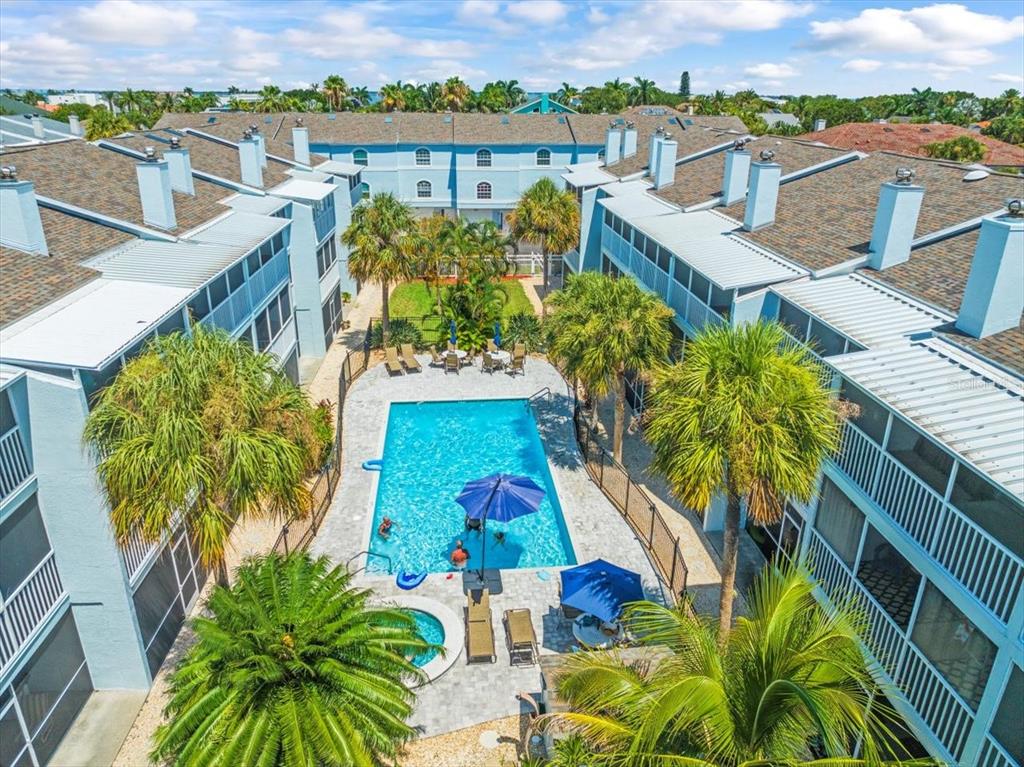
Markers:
point(431, 449)
point(431, 630)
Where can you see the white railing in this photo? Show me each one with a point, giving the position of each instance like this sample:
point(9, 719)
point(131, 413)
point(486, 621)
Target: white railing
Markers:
point(935, 701)
point(231, 312)
point(573, 260)
point(994, 755)
point(696, 313)
point(136, 552)
point(28, 606)
point(268, 277)
point(284, 342)
point(972, 556)
point(14, 464)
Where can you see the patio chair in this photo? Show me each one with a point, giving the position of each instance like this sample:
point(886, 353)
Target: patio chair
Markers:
point(436, 360)
point(391, 361)
point(479, 631)
point(488, 364)
point(452, 347)
point(409, 358)
point(521, 638)
point(517, 365)
point(491, 346)
point(451, 362)
point(519, 350)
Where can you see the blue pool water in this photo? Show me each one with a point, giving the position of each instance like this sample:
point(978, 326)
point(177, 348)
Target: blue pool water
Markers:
point(431, 450)
point(432, 631)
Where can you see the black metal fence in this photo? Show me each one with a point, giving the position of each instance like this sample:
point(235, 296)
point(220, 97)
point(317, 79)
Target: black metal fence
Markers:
point(634, 505)
point(298, 532)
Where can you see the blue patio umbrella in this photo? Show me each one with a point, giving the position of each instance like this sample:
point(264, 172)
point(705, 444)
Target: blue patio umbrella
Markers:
point(451, 327)
point(501, 497)
point(497, 334)
point(600, 588)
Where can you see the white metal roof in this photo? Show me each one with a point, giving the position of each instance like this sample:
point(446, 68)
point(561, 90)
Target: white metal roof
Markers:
point(975, 410)
point(96, 323)
point(244, 231)
point(299, 189)
point(634, 206)
point(9, 375)
point(588, 177)
point(253, 203)
point(339, 168)
point(863, 309)
point(181, 264)
point(623, 188)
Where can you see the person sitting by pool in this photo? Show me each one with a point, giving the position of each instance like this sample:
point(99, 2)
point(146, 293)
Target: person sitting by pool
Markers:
point(499, 536)
point(472, 523)
point(384, 529)
point(459, 555)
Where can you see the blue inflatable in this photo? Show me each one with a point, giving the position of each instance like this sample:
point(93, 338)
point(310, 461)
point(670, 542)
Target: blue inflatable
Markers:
point(374, 465)
point(409, 581)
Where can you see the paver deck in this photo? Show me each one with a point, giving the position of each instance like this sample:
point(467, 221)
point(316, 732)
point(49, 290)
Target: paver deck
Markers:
point(470, 694)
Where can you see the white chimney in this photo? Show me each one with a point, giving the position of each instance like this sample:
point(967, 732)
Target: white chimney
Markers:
point(37, 127)
point(249, 159)
point(300, 142)
point(993, 299)
point(612, 145)
point(665, 169)
point(179, 161)
point(629, 139)
point(764, 192)
point(737, 170)
point(76, 125)
point(653, 145)
point(155, 191)
point(899, 203)
point(20, 225)
point(261, 144)
point(819, 124)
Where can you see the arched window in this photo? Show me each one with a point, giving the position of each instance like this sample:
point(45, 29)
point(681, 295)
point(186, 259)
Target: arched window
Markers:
point(422, 156)
point(424, 190)
point(366, 191)
point(359, 157)
point(483, 190)
point(544, 157)
point(483, 158)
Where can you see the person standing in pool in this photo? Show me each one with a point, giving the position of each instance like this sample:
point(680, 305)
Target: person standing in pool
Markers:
point(459, 556)
point(499, 537)
point(384, 529)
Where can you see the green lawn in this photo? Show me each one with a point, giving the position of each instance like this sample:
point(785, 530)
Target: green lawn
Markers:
point(415, 299)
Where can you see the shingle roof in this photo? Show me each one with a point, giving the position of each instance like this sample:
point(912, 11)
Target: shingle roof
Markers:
point(911, 139)
point(1005, 348)
point(105, 182)
point(825, 219)
point(536, 129)
point(230, 126)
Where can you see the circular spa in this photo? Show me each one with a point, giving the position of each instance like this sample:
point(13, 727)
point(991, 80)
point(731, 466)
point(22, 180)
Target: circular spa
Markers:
point(437, 624)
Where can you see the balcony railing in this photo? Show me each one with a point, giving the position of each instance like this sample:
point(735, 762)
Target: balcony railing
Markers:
point(696, 313)
point(269, 278)
point(994, 755)
point(136, 552)
point(15, 467)
point(573, 260)
point(981, 564)
point(324, 222)
point(236, 309)
point(27, 607)
point(935, 701)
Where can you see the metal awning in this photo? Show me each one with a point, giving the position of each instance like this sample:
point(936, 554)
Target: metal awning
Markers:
point(588, 177)
point(339, 168)
point(635, 206)
point(297, 189)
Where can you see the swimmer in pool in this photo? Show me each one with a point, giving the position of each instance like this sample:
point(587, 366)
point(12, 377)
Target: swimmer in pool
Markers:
point(384, 529)
point(459, 555)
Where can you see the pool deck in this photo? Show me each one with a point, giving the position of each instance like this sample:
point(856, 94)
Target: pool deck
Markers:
point(469, 694)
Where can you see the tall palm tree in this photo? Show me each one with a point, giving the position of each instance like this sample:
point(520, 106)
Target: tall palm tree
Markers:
point(378, 252)
point(434, 97)
point(426, 252)
point(567, 94)
point(271, 99)
point(455, 93)
point(392, 97)
point(743, 416)
point(336, 91)
point(786, 674)
point(292, 667)
point(205, 427)
point(514, 94)
point(548, 215)
point(360, 96)
point(603, 327)
point(103, 123)
point(643, 91)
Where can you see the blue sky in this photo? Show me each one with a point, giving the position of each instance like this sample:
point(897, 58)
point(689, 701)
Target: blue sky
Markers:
point(774, 46)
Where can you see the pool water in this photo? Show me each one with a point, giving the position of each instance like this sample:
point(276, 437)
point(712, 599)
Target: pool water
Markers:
point(431, 630)
point(431, 450)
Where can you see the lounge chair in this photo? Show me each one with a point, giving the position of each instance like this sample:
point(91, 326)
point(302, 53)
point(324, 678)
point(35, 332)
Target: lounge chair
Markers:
point(479, 631)
point(522, 640)
point(391, 360)
point(517, 365)
point(488, 364)
point(436, 360)
point(451, 362)
point(409, 358)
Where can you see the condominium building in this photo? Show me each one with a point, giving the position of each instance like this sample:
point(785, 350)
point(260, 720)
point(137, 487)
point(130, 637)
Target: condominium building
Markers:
point(905, 276)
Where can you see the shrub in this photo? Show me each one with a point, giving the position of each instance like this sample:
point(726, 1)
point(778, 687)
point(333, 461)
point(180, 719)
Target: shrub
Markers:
point(323, 427)
point(523, 328)
point(959, 149)
point(401, 332)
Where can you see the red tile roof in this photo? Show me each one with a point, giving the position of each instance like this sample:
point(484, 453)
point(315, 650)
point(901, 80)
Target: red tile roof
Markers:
point(911, 139)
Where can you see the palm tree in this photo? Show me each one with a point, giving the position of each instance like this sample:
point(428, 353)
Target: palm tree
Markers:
point(378, 252)
point(567, 94)
point(788, 673)
point(360, 96)
point(745, 416)
point(643, 91)
point(514, 95)
point(604, 327)
point(203, 427)
point(110, 97)
point(103, 123)
point(455, 93)
point(433, 96)
point(548, 215)
point(336, 91)
point(392, 97)
point(426, 252)
point(292, 667)
point(271, 99)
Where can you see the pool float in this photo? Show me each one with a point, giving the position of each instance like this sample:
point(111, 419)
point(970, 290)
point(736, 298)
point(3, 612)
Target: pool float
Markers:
point(408, 581)
point(376, 464)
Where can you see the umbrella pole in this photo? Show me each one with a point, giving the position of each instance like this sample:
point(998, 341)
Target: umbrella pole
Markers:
point(483, 529)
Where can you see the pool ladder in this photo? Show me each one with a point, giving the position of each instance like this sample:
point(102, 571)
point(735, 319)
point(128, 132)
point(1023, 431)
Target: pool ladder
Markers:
point(538, 394)
point(368, 554)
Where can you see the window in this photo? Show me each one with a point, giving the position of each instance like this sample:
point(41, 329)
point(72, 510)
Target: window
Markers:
point(483, 190)
point(7, 421)
point(700, 286)
point(158, 609)
point(794, 320)
point(424, 190)
point(236, 275)
point(824, 340)
point(278, 241)
point(991, 508)
point(608, 218)
point(483, 158)
point(326, 255)
point(359, 157)
point(544, 157)
point(873, 417)
point(366, 191)
point(286, 304)
point(919, 454)
point(681, 274)
point(954, 645)
point(839, 521)
point(23, 545)
point(889, 577)
point(721, 300)
point(1006, 724)
point(422, 156)
point(263, 335)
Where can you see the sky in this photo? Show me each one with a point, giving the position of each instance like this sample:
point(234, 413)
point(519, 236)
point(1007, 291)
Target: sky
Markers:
point(773, 46)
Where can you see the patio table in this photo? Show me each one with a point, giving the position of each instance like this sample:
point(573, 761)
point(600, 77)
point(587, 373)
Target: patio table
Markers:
point(588, 632)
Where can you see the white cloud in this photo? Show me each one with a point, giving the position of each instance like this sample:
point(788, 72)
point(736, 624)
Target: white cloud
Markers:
point(139, 24)
point(862, 65)
point(739, 85)
point(771, 71)
point(597, 16)
point(1002, 77)
point(473, 10)
point(458, 49)
point(539, 11)
point(442, 69)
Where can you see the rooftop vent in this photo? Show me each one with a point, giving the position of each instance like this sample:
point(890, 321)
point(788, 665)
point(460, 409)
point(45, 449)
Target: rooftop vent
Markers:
point(247, 134)
point(211, 120)
point(1014, 207)
point(175, 142)
point(561, 120)
point(976, 175)
point(9, 173)
point(298, 121)
point(767, 155)
point(389, 119)
point(505, 121)
point(447, 119)
point(332, 117)
point(254, 128)
point(740, 143)
point(268, 120)
point(687, 121)
point(630, 124)
point(150, 154)
point(888, 130)
point(905, 176)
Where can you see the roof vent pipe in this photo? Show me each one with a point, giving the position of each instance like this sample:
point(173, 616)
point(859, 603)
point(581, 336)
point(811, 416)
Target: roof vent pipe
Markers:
point(993, 300)
point(652, 149)
point(612, 145)
point(155, 191)
point(249, 159)
point(20, 225)
point(179, 160)
point(75, 124)
point(737, 170)
point(899, 204)
point(629, 140)
point(764, 192)
point(665, 167)
point(37, 127)
point(300, 142)
point(261, 144)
